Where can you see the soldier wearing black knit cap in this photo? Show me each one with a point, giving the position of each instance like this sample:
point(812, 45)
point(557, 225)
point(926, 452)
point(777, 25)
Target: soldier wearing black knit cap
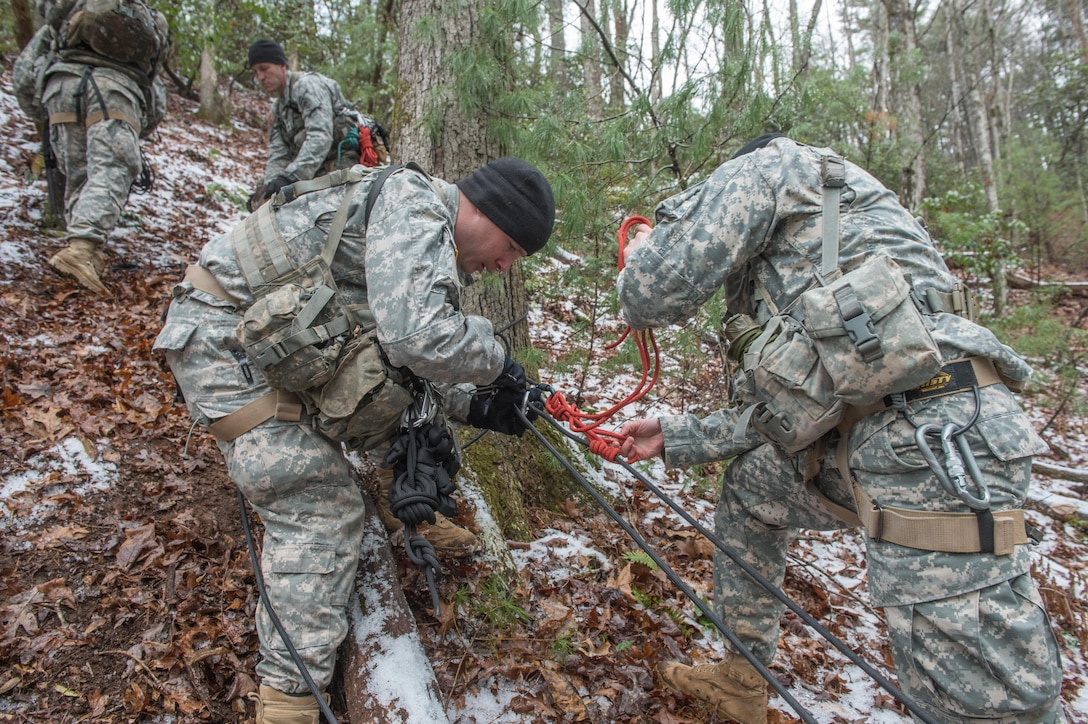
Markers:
point(404, 263)
point(314, 128)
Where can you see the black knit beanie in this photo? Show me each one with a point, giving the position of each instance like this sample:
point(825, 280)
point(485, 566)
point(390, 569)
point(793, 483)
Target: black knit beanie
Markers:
point(516, 197)
point(266, 51)
point(758, 143)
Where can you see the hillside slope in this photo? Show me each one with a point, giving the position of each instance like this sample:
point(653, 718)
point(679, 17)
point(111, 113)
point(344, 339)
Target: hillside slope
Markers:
point(125, 589)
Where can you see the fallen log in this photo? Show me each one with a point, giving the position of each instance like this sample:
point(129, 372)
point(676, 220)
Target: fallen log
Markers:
point(387, 676)
point(1019, 281)
point(1061, 473)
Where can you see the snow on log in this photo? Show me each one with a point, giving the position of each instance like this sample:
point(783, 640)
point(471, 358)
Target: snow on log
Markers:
point(387, 675)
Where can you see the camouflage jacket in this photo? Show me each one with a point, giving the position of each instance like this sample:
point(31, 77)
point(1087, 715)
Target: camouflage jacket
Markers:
point(403, 265)
point(303, 133)
point(756, 223)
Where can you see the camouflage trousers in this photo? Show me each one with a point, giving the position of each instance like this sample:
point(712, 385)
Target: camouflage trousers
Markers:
point(100, 161)
point(968, 633)
point(296, 480)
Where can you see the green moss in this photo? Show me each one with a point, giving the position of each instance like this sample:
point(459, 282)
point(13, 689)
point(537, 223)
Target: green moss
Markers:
point(518, 473)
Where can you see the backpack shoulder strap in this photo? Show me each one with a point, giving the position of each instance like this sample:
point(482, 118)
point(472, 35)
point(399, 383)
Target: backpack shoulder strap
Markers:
point(832, 179)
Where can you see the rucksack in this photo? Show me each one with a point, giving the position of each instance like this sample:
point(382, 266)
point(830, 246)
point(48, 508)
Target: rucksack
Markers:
point(125, 31)
point(303, 338)
point(849, 341)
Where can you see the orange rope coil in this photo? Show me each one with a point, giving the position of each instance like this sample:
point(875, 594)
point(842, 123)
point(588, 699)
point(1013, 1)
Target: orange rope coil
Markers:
point(588, 424)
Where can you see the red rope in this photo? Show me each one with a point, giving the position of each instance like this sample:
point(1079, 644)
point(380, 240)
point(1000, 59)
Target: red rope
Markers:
point(588, 424)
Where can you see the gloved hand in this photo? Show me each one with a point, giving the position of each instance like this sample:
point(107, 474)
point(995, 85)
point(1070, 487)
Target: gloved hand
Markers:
point(256, 199)
point(276, 183)
point(513, 376)
point(498, 411)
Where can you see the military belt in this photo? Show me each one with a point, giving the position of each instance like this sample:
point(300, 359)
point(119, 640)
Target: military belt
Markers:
point(996, 532)
point(279, 404)
point(92, 118)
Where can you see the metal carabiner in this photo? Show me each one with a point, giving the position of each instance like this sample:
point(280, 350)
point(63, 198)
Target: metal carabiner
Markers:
point(966, 458)
point(953, 478)
point(423, 408)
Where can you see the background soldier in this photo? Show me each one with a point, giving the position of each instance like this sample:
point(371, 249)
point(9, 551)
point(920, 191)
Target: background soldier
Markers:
point(102, 94)
point(314, 128)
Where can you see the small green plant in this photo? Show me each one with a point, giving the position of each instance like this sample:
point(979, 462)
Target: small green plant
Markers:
point(640, 556)
point(562, 647)
point(644, 599)
point(496, 603)
point(221, 192)
point(624, 645)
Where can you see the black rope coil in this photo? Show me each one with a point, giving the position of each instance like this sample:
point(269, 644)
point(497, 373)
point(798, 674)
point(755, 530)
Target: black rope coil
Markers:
point(424, 459)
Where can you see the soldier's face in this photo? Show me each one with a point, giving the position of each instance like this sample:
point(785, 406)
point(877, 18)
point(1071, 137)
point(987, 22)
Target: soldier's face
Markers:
point(482, 246)
point(271, 76)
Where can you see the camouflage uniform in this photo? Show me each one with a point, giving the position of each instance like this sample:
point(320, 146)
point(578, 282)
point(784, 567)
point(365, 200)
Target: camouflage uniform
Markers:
point(100, 161)
point(99, 158)
point(308, 121)
point(969, 635)
point(404, 267)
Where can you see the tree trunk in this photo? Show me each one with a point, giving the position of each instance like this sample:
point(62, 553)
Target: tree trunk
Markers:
point(622, 31)
point(214, 106)
point(23, 21)
point(434, 128)
point(906, 102)
point(557, 48)
point(591, 66)
point(979, 125)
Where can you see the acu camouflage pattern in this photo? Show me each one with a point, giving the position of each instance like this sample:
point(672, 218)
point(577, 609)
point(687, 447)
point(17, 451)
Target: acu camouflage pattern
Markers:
point(100, 161)
point(309, 120)
point(404, 267)
point(758, 218)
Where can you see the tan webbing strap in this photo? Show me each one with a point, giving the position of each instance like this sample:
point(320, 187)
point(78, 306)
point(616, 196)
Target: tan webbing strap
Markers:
point(203, 280)
point(925, 530)
point(92, 118)
point(277, 403)
point(936, 531)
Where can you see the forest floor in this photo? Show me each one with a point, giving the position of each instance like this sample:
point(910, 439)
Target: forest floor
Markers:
point(126, 592)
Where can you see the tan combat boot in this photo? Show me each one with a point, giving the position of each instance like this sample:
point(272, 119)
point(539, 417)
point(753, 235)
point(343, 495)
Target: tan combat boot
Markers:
point(275, 707)
point(734, 687)
point(83, 260)
point(445, 535)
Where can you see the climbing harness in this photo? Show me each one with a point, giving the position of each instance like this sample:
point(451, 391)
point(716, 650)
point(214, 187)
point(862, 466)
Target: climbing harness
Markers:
point(588, 424)
point(425, 458)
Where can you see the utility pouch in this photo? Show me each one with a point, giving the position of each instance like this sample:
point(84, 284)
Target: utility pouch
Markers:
point(294, 332)
point(869, 335)
point(791, 399)
point(363, 401)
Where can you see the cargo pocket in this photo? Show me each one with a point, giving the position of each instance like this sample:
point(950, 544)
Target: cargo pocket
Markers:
point(1011, 437)
point(303, 583)
point(174, 336)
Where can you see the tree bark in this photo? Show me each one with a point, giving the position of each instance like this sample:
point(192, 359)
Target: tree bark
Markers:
point(23, 20)
point(214, 106)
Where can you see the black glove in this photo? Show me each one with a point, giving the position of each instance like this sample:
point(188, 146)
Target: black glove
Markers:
point(275, 184)
point(498, 411)
point(256, 199)
point(513, 376)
